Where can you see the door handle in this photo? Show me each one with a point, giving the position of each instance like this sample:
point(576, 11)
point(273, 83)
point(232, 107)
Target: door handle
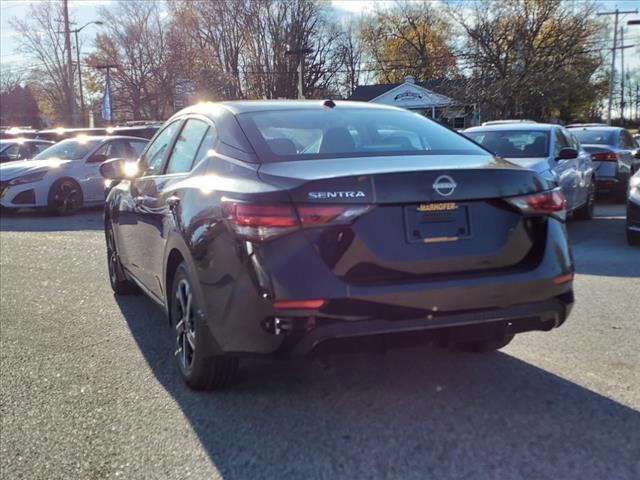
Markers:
point(141, 199)
point(173, 201)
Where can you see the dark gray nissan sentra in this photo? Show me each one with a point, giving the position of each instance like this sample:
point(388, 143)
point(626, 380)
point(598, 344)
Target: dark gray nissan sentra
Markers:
point(283, 228)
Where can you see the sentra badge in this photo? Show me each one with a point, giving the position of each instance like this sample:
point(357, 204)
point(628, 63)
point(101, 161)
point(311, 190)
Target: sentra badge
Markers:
point(343, 194)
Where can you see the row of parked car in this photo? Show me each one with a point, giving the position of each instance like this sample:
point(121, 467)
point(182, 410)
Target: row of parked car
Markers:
point(585, 160)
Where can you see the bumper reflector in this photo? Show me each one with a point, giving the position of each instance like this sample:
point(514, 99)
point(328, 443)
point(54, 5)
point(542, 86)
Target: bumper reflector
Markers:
point(315, 303)
point(563, 278)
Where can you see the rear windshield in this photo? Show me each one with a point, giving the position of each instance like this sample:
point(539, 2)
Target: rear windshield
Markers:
point(595, 137)
point(72, 149)
point(513, 143)
point(286, 135)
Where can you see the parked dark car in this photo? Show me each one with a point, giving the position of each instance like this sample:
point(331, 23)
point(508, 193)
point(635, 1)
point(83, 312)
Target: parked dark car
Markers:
point(612, 150)
point(550, 150)
point(633, 210)
point(21, 149)
point(284, 228)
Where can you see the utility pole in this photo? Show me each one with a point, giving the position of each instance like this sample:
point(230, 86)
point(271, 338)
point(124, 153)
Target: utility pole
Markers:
point(622, 77)
point(67, 46)
point(301, 52)
point(617, 13)
point(76, 31)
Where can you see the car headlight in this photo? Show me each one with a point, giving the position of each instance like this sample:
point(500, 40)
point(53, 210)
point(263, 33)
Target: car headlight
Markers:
point(31, 177)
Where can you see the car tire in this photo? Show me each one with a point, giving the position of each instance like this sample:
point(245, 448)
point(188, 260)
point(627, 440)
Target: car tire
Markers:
point(484, 346)
point(65, 197)
point(585, 212)
point(633, 238)
point(120, 284)
point(200, 369)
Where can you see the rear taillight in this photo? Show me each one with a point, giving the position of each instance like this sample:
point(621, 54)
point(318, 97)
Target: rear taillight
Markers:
point(259, 222)
point(550, 203)
point(604, 157)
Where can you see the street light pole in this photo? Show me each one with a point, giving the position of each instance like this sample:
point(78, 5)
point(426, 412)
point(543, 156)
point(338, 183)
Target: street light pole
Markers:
point(617, 13)
point(79, 75)
point(67, 46)
point(76, 32)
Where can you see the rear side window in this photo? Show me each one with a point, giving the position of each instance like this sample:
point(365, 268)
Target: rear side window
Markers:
point(209, 142)
point(187, 144)
point(596, 137)
point(287, 135)
point(513, 143)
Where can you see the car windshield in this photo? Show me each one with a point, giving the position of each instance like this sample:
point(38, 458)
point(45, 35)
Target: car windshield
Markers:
point(513, 143)
point(595, 137)
point(286, 135)
point(71, 149)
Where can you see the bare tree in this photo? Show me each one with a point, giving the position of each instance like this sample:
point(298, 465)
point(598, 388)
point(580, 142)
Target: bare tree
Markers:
point(143, 45)
point(41, 42)
point(524, 53)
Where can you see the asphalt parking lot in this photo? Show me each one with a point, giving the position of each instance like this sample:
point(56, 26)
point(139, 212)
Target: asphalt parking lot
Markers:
point(88, 389)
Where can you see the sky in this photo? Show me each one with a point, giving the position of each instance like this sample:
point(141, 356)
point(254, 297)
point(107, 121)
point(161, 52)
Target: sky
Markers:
point(87, 10)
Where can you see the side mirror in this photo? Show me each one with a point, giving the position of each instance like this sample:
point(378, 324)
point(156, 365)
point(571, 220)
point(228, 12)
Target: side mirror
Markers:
point(98, 158)
point(567, 153)
point(119, 169)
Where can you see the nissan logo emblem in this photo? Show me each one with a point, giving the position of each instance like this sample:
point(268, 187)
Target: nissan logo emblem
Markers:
point(444, 185)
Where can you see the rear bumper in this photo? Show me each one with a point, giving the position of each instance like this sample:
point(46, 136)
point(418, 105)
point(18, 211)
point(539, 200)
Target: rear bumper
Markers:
point(458, 326)
point(242, 322)
point(611, 178)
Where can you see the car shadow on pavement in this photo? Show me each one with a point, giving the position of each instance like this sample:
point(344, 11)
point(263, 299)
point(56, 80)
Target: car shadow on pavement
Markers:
point(40, 221)
point(416, 413)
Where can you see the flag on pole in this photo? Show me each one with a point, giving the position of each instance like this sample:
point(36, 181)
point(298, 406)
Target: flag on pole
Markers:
point(106, 99)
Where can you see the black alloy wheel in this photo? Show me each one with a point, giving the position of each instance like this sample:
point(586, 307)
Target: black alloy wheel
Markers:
point(65, 197)
point(120, 284)
point(200, 369)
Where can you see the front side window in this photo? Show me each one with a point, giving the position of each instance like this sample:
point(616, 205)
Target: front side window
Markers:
point(187, 144)
point(561, 141)
point(287, 135)
point(70, 149)
point(153, 158)
point(513, 143)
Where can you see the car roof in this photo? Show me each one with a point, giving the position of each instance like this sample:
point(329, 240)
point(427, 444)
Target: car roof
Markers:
point(246, 106)
point(25, 140)
point(513, 126)
point(604, 127)
point(106, 137)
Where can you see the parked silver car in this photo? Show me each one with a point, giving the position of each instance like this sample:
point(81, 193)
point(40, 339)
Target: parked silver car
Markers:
point(66, 175)
point(613, 152)
point(550, 150)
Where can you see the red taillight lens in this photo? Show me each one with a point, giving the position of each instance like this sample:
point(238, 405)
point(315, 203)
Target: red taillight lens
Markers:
point(604, 157)
point(545, 203)
point(313, 304)
point(260, 215)
point(259, 222)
